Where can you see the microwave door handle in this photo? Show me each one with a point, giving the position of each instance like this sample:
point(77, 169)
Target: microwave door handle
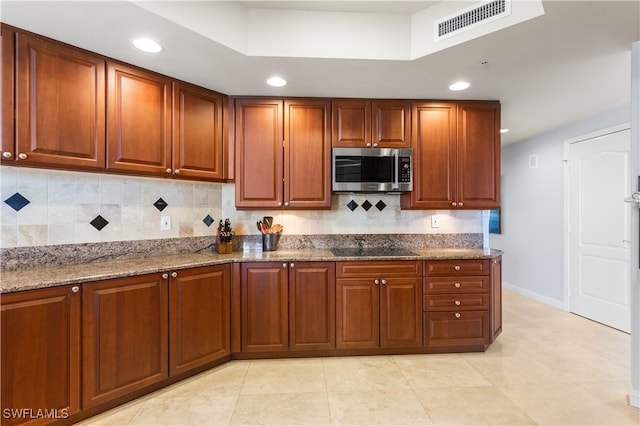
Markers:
point(397, 170)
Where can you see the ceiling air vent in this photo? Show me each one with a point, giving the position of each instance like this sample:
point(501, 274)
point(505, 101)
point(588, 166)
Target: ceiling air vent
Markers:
point(471, 17)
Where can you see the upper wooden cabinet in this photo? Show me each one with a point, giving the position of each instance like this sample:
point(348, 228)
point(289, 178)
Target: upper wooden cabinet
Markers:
point(41, 352)
point(138, 120)
point(7, 144)
point(283, 153)
point(197, 132)
point(60, 105)
point(456, 156)
point(366, 123)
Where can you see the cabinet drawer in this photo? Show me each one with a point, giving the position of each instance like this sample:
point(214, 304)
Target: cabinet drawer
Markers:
point(455, 328)
point(455, 285)
point(456, 267)
point(379, 269)
point(447, 302)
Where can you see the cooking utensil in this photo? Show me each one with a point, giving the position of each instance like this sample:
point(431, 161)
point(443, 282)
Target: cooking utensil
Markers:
point(268, 220)
point(276, 229)
point(259, 223)
point(264, 228)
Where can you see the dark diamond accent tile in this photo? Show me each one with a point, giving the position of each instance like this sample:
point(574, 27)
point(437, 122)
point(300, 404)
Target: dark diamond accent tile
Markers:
point(99, 222)
point(160, 204)
point(208, 220)
point(380, 205)
point(17, 201)
point(366, 205)
point(352, 205)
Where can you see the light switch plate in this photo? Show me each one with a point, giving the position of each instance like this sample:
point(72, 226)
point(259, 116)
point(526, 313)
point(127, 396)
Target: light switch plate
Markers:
point(435, 221)
point(165, 223)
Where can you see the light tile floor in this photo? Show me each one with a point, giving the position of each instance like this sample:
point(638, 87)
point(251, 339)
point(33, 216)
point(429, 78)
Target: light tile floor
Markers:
point(547, 367)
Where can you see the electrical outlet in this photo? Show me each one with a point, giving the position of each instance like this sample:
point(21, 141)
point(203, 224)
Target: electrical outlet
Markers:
point(165, 223)
point(435, 221)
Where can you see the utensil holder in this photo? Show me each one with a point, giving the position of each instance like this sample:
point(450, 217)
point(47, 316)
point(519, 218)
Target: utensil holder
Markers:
point(223, 247)
point(270, 242)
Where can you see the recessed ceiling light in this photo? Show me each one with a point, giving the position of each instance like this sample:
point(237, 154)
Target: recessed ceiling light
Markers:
point(146, 45)
point(459, 85)
point(276, 82)
point(504, 130)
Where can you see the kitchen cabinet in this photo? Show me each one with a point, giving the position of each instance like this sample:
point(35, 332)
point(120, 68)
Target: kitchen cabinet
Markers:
point(59, 106)
point(138, 120)
point(124, 336)
point(456, 303)
point(287, 306)
point(283, 156)
point(197, 148)
point(380, 123)
point(312, 306)
point(7, 144)
point(378, 304)
point(199, 317)
point(496, 298)
point(40, 332)
point(456, 156)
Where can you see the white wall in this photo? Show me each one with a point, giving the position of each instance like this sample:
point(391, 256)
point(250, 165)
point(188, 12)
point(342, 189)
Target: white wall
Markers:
point(532, 235)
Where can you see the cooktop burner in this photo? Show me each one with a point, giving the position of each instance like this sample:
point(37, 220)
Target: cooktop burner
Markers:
point(373, 251)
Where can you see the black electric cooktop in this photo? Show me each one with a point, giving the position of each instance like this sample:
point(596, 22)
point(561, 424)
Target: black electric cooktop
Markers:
point(382, 251)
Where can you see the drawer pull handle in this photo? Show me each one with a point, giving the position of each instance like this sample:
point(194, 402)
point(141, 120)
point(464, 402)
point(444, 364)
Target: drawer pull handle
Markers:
point(457, 267)
point(376, 281)
point(284, 265)
point(174, 274)
point(384, 281)
point(75, 289)
point(7, 154)
point(457, 315)
point(457, 285)
point(165, 276)
point(457, 302)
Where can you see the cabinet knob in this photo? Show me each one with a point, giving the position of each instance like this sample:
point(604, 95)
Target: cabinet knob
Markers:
point(460, 204)
point(457, 315)
point(168, 171)
point(165, 276)
point(176, 171)
point(457, 267)
point(7, 154)
point(375, 144)
point(384, 281)
point(75, 289)
point(368, 143)
point(279, 203)
point(457, 285)
point(286, 204)
point(174, 274)
point(22, 156)
point(376, 281)
point(454, 204)
point(292, 264)
point(284, 265)
point(457, 302)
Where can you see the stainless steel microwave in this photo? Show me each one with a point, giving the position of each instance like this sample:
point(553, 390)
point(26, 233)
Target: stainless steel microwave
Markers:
point(372, 169)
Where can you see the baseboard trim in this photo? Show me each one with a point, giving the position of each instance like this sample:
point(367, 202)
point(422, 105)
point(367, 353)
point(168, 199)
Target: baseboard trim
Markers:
point(634, 398)
point(533, 295)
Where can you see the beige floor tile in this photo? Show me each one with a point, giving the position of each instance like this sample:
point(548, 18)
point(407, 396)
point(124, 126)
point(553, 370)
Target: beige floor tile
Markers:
point(284, 376)
point(118, 416)
point(194, 410)
point(515, 370)
point(383, 407)
point(564, 404)
point(423, 371)
point(282, 409)
point(482, 405)
point(226, 379)
point(363, 373)
point(616, 395)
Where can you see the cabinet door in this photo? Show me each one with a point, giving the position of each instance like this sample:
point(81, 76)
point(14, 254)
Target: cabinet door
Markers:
point(264, 296)
point(434, 161)
point(357, 313)
point(197, 132)
point(138, 120)
point(307, 154)
point(351, 123)
point(478, 170)
point(125, 336)
point(400, 312)
point(391, 127)
point(464, 328)
point(259, 159)
point(60, 115)
point(496, 298)
point(6, 118)
point(199, 317)
point(41, 351)
point(312, 306)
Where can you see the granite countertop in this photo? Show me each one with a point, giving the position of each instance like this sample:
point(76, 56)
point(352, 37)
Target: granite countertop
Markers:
point(42, 277)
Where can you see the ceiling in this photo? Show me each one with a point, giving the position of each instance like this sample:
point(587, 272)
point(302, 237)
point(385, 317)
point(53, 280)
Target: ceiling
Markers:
point(564, 66)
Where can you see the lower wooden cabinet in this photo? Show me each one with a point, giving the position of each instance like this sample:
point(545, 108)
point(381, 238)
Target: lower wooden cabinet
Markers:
point(378, 310)
point(496, 298)
point(40, 354)
point(199, 317)
point(124, 336)
point(450, 329)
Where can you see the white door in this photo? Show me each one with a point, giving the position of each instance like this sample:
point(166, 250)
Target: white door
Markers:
point(599, 228)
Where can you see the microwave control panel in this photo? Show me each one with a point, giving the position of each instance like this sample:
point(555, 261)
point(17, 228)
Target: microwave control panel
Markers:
point(405, 169)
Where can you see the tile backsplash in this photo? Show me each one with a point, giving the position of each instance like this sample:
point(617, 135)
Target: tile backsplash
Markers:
point(48, 207)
